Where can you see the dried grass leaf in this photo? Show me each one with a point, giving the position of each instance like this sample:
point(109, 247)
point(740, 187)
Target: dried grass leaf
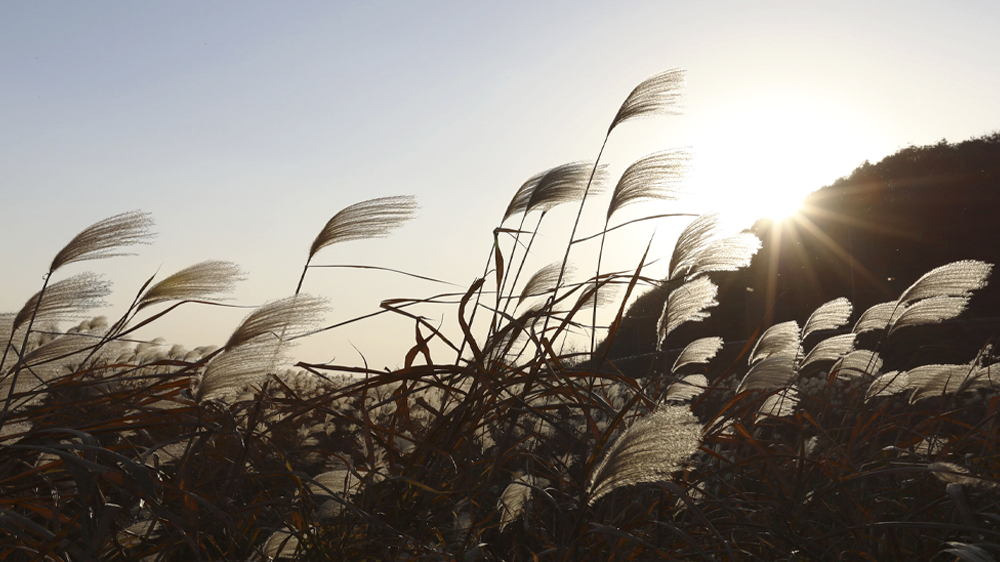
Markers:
point(374, 218)
point(686, 303)
point(101, 239)
point(65, 299)
point(779, 338)
point(661, 93)
point(655, 176)
point(655, 447)
point(200, 281)
point(700, 351)
point(830, 349)
point(829, 316)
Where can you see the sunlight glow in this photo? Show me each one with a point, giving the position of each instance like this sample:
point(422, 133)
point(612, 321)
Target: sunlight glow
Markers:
point(762, 157)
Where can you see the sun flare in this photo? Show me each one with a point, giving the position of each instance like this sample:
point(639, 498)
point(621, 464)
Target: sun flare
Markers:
point(761, 158)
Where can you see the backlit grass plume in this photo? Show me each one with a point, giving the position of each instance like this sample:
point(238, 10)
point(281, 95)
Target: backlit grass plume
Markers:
point(291, 316)
point(64, 299)
point(829, 316)
point(700, 351)
point(687, 303)
point(102, 239)
point(655, 447)
point(659, 94)
point(374, 218)
point(197, 282)
point(655, 176)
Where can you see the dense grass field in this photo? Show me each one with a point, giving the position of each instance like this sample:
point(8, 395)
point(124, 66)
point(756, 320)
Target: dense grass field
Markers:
point(520, 442)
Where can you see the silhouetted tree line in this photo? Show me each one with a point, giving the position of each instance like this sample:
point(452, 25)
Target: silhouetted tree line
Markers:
point(865, 237)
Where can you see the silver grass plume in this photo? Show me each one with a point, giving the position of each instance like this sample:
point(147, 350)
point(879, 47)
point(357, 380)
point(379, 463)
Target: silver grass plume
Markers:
point(564, 184)
point(290, 315)
point(374, 218)
point(727, 254)
point(655, 447)
point(700, 351)
point(829, 316)
point(281, 544)
point(955, 279)
point(655, 176)
point(695, 237)
point(830, 349)
point(686, 388)
point(888, 384)
point(519, 202)
point(515, 495)
point(686, 303)
point(779, 338)
point(858, 362)
point(543, 281)
point(951, 473)
point(928, 381)
point(605, 296)
point(777, 370)
point(198, 282)
point(779, 405)
point(65, 299)
point(931, 310)
point(661, 93)
point(878, 317)
point(101, 239)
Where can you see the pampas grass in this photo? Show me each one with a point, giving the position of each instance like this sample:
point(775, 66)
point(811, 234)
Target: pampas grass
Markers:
point(103, 239)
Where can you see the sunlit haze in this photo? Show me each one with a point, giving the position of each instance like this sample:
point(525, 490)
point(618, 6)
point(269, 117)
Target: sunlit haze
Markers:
point(244, 126)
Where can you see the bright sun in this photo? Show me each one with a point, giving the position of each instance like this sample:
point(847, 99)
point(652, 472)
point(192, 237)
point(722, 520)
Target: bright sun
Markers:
point(761, 158)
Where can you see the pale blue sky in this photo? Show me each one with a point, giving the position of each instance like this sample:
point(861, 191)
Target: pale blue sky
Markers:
point(243, 126)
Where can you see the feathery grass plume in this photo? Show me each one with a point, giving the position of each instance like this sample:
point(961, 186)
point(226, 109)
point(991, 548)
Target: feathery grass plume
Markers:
point(290, 316)
point(543, 281)
point(564, 184)
point(655, 447)
point(779, 338)
point(686, 303)
point(515, 495)
point(955, 279)
point(281, 544)
point(929, 381)
point(137, 533)
point(878, 317)
point(239, 368)
point(728, 254)
point(606, 295)
point(65, 299)
point(338, 481)
point(931, 310)
point(519, 203)
point(777, 370)
point(829, 316)
point(778, 405)
point(686, 388)
point(951, 473)
point(374, 218)
point(102, 238)
point(661, 93)
point(695, 237)
point(858, 362)
point(830, 349)
point(888, 384)
point(700, 351)
point(655, 176)
point(198, 282)
point(58, 357)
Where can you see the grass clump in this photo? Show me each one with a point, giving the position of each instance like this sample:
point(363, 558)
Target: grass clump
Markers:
point(525, 446)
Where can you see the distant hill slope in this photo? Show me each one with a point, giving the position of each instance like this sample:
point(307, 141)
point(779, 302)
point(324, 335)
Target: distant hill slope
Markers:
point(866, 237)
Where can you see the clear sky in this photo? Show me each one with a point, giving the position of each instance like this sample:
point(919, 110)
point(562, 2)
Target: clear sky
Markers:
point(244, 126)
